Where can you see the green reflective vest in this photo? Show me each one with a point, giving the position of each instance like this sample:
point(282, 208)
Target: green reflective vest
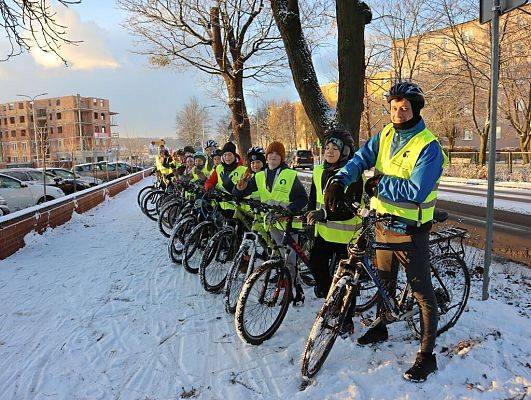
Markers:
point(333, 231)
point(235, 176)
point(279, 194)
point(195, 177)
point(401, 165)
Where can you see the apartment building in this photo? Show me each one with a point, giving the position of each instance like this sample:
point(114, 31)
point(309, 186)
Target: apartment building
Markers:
point(59, 129)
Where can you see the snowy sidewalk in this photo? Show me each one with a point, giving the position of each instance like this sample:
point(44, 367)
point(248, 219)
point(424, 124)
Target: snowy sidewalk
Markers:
point(95, 310)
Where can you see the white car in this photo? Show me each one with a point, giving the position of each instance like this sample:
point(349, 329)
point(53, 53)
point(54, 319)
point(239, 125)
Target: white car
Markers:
point(4, 210)
point(19, 195)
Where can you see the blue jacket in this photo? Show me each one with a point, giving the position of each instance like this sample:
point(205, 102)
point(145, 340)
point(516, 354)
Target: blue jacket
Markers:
point(425, 175)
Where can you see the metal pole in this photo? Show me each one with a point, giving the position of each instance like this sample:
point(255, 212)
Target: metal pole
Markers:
point(495, 26)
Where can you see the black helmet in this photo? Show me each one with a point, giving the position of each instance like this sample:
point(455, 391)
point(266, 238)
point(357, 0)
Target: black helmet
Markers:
point(217, 152)
point(189, 149)
point(256, 153)
point(406, 90)
point(211, 143)
point(343, 140)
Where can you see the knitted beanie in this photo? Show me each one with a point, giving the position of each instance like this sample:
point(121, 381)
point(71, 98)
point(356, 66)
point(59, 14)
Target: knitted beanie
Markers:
point(277, 147)
point(229, 147)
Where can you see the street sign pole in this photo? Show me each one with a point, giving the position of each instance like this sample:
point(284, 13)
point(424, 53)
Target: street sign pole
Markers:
point(495, 62)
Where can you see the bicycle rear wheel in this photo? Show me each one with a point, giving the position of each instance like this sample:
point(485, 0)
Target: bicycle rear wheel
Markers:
point(150, 203)
point(263, 302)
point(167, 216)
point(178, 237)
point(142, 193)
point(451, 283)
point(195, 245)
point(216, 259)
point(236, 276)
point(325, 329)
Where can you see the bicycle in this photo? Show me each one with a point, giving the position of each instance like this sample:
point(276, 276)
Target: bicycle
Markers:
point(452, 295)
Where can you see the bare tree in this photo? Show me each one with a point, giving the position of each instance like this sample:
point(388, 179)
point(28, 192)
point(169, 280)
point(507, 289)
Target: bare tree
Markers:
point(190, 123)
point(234, 40)
point(351, 18)
point(29, 23)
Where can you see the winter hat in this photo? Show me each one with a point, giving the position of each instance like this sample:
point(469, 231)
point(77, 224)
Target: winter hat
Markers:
point(343, 140)
point(277, 147)
point(229, 147)
point(200, 155)
point(217, 153)
point(189, 149)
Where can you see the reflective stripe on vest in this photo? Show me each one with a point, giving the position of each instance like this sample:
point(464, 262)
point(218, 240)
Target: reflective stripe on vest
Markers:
point(234, 177)
point(279, 195)
point(401, 165)
point(332, 231)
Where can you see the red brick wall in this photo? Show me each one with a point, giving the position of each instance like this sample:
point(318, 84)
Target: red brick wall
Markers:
point(13, 230)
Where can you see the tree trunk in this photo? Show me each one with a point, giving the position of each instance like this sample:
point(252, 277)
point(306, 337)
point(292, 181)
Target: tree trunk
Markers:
point(483, 141)
point(351, 19)
point(525, 146)
point(319, 112)
point(241, 125)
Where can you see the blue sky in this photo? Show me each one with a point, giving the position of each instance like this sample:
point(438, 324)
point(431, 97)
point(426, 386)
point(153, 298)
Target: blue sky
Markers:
point(104, 66)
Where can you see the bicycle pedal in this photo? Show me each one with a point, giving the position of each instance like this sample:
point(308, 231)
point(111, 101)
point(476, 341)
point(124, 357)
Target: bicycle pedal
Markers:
point(298, 302)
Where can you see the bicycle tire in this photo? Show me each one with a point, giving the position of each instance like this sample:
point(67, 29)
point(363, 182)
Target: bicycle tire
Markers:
point(152, 198)
point(142, 192)
point(197, 239)
point(167, 216)
point(339, 298)
point(242, 308)
point(236, 277)
point(226, 237)
point(176, 243)
point(441, 263)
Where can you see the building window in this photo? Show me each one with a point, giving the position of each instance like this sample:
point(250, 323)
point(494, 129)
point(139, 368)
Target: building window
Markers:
point(102, 116)
point(14, 159)
point(5, 121)
point(101, 103)
point(24, 146)
point(58, 116)
point(51, 130)
point(95, 115)
point(498, 132)
point(11, 106)
point(22, 119)
point(467, 36)
point(59, 129)
point(60, 143)
point(97, 129)
point(95, 101)
point(4, 108)
point(24, 159)
point(22, 132)
point(15, 146)
point(20, 106)
point(31, 119)
point(13, 133)
point(11, 120)
point(102, 129)
point(467, 135)
point(50, 116)
point(57, 102)
point(1, 134)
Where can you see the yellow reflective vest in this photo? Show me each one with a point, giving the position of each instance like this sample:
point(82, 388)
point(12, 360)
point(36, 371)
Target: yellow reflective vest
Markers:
point(235, 176)
point(401, 165)
point(332, 231)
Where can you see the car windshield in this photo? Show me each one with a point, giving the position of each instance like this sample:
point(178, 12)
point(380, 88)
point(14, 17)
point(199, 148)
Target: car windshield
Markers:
point(37, 176)
point(63, 174)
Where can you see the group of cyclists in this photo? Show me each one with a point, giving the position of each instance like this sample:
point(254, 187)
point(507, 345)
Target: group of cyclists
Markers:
point(408, 162)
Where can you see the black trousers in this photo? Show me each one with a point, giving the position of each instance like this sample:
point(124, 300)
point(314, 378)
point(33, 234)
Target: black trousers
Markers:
point(320, 256)
point(417, 265)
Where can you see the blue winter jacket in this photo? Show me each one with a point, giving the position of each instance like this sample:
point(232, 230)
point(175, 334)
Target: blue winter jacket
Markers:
point(425, 175)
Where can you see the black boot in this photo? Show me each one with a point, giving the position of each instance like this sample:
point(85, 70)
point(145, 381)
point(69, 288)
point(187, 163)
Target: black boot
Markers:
point(376, 334)
point(425, 364)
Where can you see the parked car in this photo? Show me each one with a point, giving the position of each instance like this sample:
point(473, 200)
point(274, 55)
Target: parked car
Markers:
point(302, 159)
point(116, 169)
point(19, 195)
point(93, 170)
point(35, 176)
point(66, 174)
point(4, 209)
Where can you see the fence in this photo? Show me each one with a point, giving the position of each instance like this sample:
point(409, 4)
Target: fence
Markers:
point(14, 227)
point(511, 158)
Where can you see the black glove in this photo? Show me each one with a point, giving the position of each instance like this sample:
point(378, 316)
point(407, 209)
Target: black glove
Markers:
point(371, 185)
point(334, 195)
point(315, 216)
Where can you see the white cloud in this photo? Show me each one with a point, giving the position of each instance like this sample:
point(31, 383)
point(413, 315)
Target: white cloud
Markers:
point(92, 53)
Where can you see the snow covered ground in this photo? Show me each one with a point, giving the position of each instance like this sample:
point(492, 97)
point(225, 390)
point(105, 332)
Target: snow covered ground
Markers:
point(94, 309)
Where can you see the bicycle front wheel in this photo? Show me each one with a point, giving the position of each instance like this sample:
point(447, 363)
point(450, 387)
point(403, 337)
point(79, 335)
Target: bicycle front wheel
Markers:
point(451, 283)
point(178, 238)
point(263, 302)
point(325, 329)
point(236, 276)
point(216, 259)
point(195, 245)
